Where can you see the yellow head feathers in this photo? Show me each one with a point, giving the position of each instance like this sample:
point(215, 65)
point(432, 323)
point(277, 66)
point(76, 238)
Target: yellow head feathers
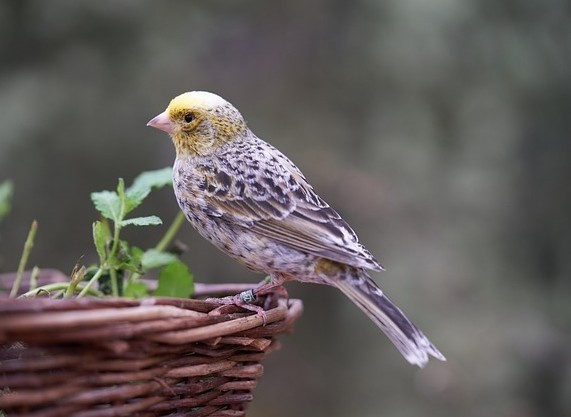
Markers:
point(200, 122)
point(197, 100)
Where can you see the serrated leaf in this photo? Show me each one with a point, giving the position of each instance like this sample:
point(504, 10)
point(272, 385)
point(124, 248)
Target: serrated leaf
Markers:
point(6, 191)
point(145, 182)
point(108, 204)
point(136, 290)
point(142, 221)
point(153, 258)
point(100, 240)
point(175, 281)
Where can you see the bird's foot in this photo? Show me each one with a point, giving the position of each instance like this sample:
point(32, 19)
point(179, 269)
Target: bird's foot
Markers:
point(245, 299)
point(272, 289)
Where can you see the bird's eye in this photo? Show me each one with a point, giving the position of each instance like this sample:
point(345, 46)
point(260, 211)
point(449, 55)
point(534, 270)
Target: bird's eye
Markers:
point(189, 117)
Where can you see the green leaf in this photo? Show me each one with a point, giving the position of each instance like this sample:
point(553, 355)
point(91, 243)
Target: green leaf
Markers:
point(125, 259)
point(100, 234)
point(153, 258)
point(121, 187)
point(175, 281)
point(137, 253)
point(108, 204)
point(136, 290)
point(6, 191)
point(123, 253)
point(145, 182)
point(142, 221)
point(128, 203)
point(116, 205)
point(121, 266)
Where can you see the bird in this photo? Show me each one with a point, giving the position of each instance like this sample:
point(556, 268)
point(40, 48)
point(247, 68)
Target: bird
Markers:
point(254, 204)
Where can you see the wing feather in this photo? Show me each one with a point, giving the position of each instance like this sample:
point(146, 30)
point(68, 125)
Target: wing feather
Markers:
point(278, 202)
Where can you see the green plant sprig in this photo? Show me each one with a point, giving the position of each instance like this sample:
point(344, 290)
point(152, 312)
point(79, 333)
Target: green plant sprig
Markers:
point(51, 289)
point(118, 259)
point(121, 265)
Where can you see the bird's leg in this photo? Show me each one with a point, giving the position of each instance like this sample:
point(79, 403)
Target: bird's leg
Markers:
point(267, 286)
point(244, 300)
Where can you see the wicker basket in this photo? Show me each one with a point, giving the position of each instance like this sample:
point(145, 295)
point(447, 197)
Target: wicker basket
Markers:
point(119, 357)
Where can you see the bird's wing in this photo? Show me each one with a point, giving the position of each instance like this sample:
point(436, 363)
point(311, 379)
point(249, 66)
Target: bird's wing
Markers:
point(269, 195)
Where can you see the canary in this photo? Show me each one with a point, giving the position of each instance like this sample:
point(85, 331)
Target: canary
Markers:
point(254, 204)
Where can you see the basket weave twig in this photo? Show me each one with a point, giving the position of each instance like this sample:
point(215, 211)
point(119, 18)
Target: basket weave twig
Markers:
point(121, 357)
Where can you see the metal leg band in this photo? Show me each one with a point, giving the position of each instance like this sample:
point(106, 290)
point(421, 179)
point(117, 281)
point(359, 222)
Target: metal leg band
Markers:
point(248, 296)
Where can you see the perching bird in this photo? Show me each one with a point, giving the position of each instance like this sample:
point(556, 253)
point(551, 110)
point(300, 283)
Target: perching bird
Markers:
point(253, 203)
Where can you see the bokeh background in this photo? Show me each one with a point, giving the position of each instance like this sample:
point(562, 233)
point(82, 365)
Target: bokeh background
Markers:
point(439, 129)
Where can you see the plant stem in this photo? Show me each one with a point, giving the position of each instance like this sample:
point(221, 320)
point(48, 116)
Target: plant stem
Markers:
point(70, 288)
point(77, 276)
point(171, 232)
point(92, 281)
point(115, 247)
point(24, 259)
point(57, 286)
point(34, 277)
point(114, 282)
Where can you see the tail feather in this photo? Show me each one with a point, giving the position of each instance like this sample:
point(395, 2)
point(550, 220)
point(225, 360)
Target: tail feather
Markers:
point(407, 338)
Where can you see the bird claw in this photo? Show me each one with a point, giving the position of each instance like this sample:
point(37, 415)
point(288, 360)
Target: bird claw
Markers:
point(244, 300)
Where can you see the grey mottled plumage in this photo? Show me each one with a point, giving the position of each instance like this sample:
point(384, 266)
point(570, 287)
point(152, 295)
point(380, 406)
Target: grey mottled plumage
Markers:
point(253, 203)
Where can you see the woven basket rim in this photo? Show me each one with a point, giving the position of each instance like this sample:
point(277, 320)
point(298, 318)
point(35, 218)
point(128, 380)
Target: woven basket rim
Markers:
point(154, 356)
point(22, 316)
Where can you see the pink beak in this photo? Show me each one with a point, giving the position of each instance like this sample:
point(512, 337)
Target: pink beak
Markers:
point(162, 122)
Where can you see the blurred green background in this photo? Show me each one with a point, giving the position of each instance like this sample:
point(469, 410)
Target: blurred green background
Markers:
point(439, 129)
